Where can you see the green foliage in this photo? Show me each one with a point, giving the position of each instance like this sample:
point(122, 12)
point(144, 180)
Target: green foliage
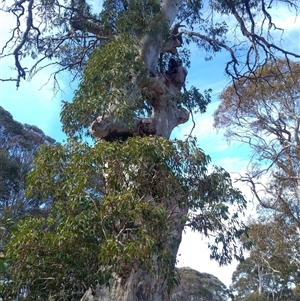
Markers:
point(18, 143)
point(60, 254)
point(115, 88)
point(9, 174)
point(135, 19)
point(255, 297)
point(194, 100)
point(6, 120)
point(142, 17)
point(225, 7)
point(190, 12)
point(113, 210)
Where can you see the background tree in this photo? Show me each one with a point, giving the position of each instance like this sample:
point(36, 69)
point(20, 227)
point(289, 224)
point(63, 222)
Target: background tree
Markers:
point(113, 214)
point(264, 113)
point(198, 286)
point(18, 143)
point(271, 272)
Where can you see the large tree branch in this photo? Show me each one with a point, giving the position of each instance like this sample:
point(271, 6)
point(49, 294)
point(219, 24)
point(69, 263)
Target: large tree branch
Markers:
point(169, 9)
point(216, 45)
point(29, 27)
point(152, 44)
point(87, 24)
point(161, 123)
point(108, 129)
point(32, 40)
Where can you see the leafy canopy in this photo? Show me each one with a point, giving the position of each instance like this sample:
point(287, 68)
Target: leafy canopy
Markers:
point(65, 33)
point(109, 213)
point(116, 86)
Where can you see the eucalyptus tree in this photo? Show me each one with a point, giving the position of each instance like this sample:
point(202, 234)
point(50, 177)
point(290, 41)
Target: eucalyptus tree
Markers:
point(121, 205)
point(271, 270)
point(18, 143)
point(265, 115)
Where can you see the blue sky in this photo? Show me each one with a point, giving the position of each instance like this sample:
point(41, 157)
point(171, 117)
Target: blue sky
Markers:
point(35, 104)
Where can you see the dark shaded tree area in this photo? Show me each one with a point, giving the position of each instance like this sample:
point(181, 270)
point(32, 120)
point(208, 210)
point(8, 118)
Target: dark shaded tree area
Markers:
point(18, 144)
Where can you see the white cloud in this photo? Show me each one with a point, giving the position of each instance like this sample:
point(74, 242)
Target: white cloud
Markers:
point(283, 17)
point(194, 253)
point(222, 146)
point(234, 163)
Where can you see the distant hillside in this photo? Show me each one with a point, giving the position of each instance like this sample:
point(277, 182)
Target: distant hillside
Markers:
point(196, 286)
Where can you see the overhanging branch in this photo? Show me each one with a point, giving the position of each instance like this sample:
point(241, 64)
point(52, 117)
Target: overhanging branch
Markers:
point(87, 24)
point(216, 44)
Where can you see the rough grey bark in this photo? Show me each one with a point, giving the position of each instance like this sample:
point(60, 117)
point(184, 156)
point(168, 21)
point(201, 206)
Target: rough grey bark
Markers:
point(141, 285)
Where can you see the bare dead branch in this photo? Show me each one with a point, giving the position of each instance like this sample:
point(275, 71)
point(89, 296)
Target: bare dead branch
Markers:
point(8, 79)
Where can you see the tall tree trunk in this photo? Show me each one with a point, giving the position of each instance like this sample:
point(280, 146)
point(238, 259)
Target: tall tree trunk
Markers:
point(142, 284)
point(260, 275)
point(139, 283)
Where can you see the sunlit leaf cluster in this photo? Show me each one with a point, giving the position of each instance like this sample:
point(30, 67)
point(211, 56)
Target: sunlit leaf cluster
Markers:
point(107, 85)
